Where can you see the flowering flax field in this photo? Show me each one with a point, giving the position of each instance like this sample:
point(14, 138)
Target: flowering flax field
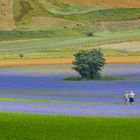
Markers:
point(43, 90)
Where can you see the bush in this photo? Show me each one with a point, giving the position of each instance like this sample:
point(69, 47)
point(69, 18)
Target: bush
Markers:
point(89, 63)
point(21, 55)
point(90, 34)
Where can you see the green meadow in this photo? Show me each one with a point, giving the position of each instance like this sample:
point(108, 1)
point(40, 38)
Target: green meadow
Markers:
point(41, 127)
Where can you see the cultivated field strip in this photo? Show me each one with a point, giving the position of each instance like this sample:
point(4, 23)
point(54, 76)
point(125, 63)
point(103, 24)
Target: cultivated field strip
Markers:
point(71, 43)
point(117, 26)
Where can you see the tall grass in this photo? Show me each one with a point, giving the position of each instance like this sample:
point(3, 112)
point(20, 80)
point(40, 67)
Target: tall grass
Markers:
point(37, 127)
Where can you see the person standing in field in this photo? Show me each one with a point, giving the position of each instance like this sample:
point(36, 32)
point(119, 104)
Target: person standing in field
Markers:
point(126, 97)
point(131, 97)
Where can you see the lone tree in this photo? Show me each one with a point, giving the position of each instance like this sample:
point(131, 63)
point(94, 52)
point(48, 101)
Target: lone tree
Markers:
point(89, 64)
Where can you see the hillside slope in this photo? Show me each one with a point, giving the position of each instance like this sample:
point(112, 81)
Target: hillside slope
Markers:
point(59, 14)
point(34, 14)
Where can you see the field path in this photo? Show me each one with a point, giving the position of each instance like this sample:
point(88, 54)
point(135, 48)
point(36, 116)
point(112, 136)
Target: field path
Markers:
point(6, 14)
point(106, 110)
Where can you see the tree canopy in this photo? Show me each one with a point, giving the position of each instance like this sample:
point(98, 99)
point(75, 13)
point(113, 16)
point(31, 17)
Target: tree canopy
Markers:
point(89, 64)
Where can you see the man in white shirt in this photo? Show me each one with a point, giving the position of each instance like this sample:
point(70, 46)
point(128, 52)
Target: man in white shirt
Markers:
point(131, 97)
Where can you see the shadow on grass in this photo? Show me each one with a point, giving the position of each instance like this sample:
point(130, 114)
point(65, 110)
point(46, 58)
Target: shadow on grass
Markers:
point(105, 78)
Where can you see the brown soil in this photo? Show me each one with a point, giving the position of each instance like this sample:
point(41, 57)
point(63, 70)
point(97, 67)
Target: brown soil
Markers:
point(109, 3)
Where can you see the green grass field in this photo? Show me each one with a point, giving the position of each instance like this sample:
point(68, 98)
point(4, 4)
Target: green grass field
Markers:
point(41, 127)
